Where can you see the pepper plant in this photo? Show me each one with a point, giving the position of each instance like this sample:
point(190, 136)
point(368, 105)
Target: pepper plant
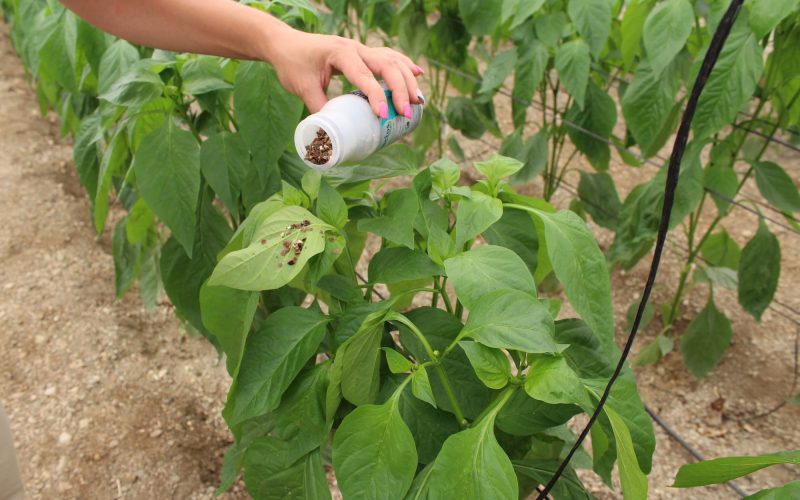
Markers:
point(426, 393)
point(259, 254)
point(567, 59)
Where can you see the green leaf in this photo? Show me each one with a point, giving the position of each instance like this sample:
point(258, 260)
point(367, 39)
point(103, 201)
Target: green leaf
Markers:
point(473, 465)
point(777, 187)
point(331, 207)
point(525, 416)
point(599, 197)
point(766, 14)
point(265, 112)
point(731, 83)
point(490, 365)
point(397, 222)
point(720, 250)
point(572, 64)
point(533, 154)
point(224, 162)
point(720, 276)
point(57, 55)
point(395, 160)
point(118, 57)
point(531, 65)
point(397, 264)
point(485, 269)
point(510, 319)
point(634, 482)
point(788, 490)
point(647, 104)
point(594, 365)
point(273, 472)
point(359, 358)
point(480, 18)
point(115, 162)
point(167, 166)
point(396, 361)
point(515, 230)
point(444, 175)
point(580, 265)
point(374, 454)
point(520, 10)
point(706, 339)
point(550, 379)
point(274, 356)
point(300, 419)
point(723, 183)
point(475, 215)
point(429, 426)
point(724, 469)
point(202, 75)
point(276, 254)
point(127, 258)
point(137, 86)
point(498, 167)
point(592, 18)
point(647, 317)
point(501, 65)
point(542, 470)
point(462, 114)
point(631, 30)
point(421, 386)
point(228, 315)
point(183, 276)
point(759, 270)
point(441, 329)
point(666, 31)
point(654, 351)
point(592, 125)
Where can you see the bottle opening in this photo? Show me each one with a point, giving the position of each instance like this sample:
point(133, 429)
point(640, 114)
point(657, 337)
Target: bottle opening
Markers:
point(319, 150)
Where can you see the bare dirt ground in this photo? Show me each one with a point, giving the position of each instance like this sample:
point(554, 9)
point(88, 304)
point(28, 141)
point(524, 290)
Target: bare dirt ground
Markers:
point(108, 400)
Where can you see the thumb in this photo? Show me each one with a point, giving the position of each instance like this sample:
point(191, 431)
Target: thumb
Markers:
point(314, 97)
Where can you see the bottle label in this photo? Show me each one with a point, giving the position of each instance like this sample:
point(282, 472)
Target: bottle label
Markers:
point(396, 125)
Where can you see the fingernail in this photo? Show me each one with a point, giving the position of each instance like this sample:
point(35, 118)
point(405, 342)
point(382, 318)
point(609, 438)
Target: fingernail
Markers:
point(419, 70)
point(383, 111)
point(407, 111)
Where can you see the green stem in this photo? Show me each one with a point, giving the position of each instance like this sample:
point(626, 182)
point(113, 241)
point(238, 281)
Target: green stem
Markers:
point(435, 358)
point(436, 292)
point(451, 396)
point(499, 402)
point(445, 298)
point(396, 316)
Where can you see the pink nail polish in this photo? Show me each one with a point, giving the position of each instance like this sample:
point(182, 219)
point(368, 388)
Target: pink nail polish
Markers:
point(419, 70)
point(383, 111)
point(407, 111)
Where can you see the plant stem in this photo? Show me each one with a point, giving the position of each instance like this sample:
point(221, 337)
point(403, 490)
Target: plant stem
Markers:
point(451, 396)
point(445, 298)
point(435, 296)
point(396, 316)
point(499, 402)
point(435, 358)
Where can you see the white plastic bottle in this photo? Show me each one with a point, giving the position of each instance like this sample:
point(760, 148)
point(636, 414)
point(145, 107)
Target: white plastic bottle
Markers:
point(354, 130)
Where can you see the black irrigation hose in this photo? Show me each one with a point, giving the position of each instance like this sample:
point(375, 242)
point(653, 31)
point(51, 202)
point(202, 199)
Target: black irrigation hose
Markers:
point(718, 40)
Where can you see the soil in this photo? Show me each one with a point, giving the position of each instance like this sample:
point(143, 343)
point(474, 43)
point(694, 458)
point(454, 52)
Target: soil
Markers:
point(320, 150)
point(109, 400)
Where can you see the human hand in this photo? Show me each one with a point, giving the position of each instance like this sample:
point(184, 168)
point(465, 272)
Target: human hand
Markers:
point(305, 63)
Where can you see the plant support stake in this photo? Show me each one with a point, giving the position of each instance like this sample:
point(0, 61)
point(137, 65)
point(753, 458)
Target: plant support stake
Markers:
point(714, 49)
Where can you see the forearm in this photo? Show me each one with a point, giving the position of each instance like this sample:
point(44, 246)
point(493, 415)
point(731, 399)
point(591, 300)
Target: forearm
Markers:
point(214, 27)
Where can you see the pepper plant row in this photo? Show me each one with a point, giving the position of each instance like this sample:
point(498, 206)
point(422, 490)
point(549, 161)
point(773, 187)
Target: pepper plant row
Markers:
point(567, 58)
